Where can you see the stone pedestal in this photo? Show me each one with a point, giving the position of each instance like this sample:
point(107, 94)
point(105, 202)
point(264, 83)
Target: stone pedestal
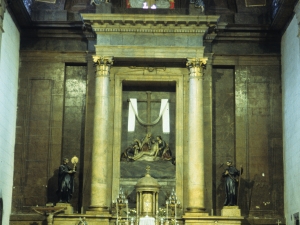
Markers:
point(69, 208)
point(231, 211)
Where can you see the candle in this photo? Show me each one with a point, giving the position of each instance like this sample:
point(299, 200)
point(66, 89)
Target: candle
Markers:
point(126, 202)
point(167, 203)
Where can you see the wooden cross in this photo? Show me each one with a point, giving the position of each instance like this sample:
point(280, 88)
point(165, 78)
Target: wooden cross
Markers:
point(149, 101)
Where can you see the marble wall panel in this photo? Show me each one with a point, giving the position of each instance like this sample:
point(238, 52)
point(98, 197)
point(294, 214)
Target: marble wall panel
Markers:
point(73, 124)
point(256, 92)
point(36, 162)
point(223, 129)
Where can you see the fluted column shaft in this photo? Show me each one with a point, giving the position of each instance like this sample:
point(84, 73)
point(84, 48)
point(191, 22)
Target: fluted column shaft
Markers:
point(196, 138)
point(100, 136)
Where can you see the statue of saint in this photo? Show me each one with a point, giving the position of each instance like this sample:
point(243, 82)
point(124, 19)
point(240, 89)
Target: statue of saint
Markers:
point(65, 181)
point(231, 181)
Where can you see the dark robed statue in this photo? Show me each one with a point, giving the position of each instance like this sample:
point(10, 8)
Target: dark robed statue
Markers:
point(65, 181)
point(231, 181)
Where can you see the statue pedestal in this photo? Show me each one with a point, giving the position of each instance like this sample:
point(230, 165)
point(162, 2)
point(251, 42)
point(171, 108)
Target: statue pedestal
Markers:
point(67, 206)
point(230, 211)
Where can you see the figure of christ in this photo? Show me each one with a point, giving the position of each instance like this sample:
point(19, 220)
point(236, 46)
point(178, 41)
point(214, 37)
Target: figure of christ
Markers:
point(153, 152)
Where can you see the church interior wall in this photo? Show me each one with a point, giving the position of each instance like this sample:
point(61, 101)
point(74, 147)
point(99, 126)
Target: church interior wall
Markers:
point(290, 91)
point(9, 65)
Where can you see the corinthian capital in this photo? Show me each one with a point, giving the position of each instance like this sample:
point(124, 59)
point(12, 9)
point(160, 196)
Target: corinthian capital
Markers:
point(103, 60)
point(196, 62)
point(196, 66)
point(103, 65)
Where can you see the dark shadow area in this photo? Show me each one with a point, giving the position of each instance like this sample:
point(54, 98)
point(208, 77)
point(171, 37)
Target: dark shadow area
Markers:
point(52, 188)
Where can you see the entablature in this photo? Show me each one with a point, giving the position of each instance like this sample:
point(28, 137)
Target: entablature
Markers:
point(149, 23)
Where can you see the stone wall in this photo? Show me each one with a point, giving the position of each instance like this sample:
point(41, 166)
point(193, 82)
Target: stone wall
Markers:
point(9, 68)
point(290, 46)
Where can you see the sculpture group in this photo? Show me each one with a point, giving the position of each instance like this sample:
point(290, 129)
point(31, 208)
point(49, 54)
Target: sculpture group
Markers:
point(147, 149)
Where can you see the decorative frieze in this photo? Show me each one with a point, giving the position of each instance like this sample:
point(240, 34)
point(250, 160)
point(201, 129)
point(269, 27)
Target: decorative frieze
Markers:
point(148, 30)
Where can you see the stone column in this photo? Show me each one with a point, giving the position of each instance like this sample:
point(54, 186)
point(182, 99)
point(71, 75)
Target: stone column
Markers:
point(196, 168)
point(100, 137)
